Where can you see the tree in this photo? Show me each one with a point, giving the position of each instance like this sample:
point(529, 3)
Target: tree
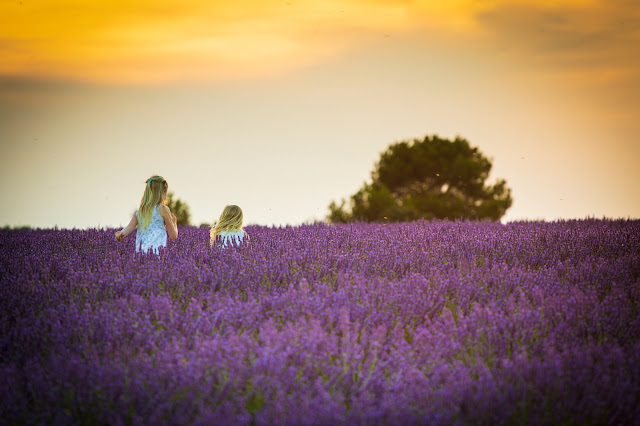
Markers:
point(180, 209)
point(433, 178)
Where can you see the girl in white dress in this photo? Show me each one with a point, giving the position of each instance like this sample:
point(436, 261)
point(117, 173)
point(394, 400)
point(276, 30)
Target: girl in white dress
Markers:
point(153, 219)
point(227, 231)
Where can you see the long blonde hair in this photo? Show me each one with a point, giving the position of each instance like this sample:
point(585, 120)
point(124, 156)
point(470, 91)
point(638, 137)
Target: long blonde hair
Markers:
point(230, 220)
point(154, 193)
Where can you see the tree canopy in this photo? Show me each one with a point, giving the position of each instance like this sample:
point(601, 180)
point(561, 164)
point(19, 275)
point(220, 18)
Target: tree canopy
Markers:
point(180, 209)
point(432, 178)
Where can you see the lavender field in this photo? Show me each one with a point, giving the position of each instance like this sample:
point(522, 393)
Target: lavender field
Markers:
point(418, 323)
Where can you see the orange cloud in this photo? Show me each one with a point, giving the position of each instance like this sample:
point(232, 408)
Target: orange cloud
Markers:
point(152, 41)
point(592, 45)
point(156, 41)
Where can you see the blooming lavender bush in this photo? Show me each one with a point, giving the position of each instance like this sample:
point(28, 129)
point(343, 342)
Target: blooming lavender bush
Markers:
point(416, 323)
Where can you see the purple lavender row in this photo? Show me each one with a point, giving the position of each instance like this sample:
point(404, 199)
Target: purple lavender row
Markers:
point(426, 322)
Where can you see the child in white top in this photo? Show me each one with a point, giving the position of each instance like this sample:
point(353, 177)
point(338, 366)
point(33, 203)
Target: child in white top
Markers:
point(151, 217)
point(227, 231)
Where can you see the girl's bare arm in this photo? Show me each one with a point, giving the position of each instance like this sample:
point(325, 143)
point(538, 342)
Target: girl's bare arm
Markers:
point(127, 229)
point(170, 222)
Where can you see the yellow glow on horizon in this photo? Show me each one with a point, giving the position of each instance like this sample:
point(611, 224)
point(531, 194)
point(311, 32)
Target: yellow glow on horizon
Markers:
point(152, 41)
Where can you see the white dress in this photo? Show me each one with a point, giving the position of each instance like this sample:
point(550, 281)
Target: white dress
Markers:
point(233, 238)
point(153, 236)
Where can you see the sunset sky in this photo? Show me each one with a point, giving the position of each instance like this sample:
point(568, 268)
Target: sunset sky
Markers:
point(282, 106)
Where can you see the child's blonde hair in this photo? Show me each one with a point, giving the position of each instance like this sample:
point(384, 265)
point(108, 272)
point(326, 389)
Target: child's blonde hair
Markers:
point(155, 193)
point(230, 220)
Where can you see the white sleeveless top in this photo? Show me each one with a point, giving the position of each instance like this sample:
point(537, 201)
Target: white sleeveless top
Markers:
point(153, 236)
point(233, 238)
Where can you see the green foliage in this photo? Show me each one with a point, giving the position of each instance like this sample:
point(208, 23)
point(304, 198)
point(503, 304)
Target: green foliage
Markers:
point(180, 209)
point(433, 178)
point(16, 228)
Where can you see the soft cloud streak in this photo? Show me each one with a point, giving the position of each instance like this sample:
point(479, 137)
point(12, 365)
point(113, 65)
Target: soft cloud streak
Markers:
point(595, 47)
point(155, 42)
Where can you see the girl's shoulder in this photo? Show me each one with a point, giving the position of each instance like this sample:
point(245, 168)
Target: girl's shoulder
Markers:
point(234, 233)
point(230, 232)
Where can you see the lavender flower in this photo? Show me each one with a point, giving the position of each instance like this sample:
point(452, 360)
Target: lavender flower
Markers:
point(416, 323)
